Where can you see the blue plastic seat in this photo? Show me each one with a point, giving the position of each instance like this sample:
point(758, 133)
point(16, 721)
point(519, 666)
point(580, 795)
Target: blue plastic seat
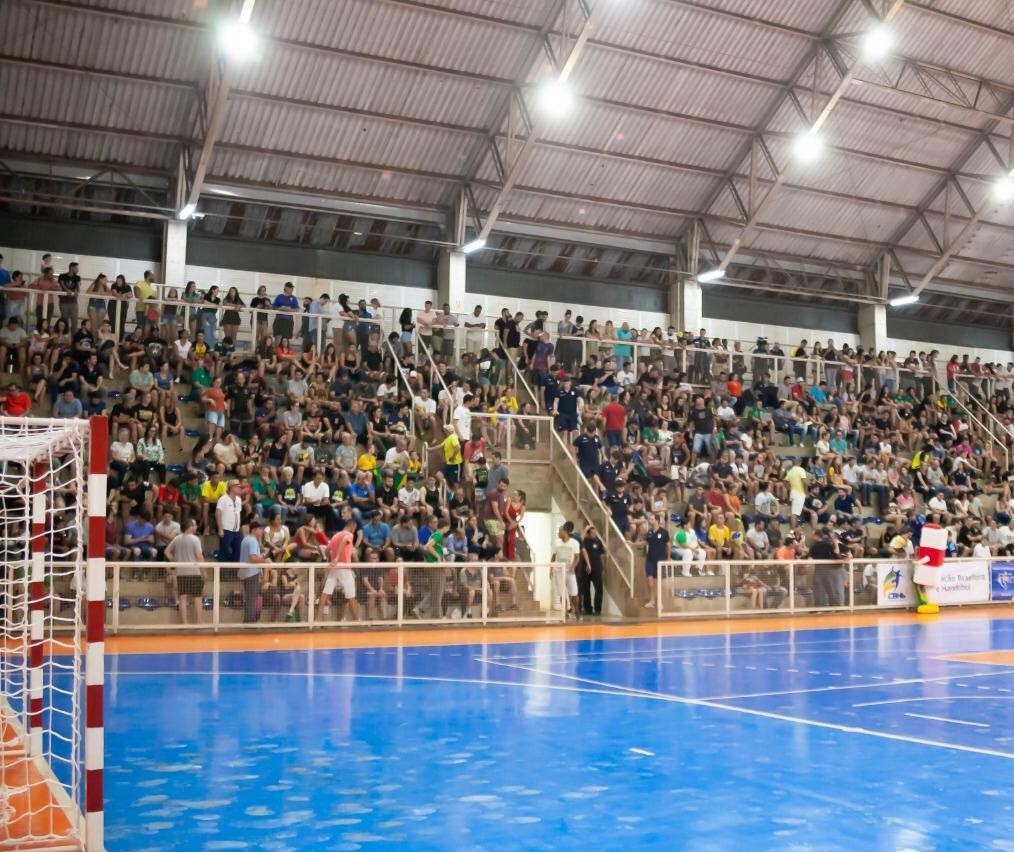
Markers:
point(191, 433)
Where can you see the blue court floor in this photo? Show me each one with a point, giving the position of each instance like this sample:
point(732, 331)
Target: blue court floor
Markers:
point(861, 739)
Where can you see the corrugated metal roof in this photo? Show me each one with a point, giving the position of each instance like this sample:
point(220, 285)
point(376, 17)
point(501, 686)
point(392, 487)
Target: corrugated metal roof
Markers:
point(408, 88)
point(365, 140)
point(56, 95)
point(409, 33)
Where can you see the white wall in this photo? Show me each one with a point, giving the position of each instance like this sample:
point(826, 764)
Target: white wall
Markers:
point(30, 263)
point(394, 298)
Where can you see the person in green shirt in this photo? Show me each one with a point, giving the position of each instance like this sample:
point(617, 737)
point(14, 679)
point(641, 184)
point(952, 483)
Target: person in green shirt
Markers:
point(434, 552)
point(263, 488)
point(200, 380)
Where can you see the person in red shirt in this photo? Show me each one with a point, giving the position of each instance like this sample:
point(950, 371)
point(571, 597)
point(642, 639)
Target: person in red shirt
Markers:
point(341, 553)
point(17, 402)
point(615, 416)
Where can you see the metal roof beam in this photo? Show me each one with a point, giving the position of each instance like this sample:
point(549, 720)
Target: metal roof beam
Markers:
point(516, 160)
point(814, 127)
point(215, 97)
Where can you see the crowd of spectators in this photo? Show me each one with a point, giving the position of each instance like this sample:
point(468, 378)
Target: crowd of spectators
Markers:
point(677, 433)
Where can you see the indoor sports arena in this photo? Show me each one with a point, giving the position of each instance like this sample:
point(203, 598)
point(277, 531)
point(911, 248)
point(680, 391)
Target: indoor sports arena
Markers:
point(506, 424)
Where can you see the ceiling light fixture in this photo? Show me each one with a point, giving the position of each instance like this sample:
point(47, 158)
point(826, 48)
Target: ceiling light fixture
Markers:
point(238, 41)
point(1004, 189)
point(186, 211)
point(878, 42)
point(555, 98)
point(475, 245)
point(901, 301)
point(710, 275)
point(808, 146)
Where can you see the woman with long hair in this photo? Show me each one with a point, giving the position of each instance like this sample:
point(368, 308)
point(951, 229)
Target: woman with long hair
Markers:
point(515, 513)
point(192, 296)
point(209, 315)
point(98, 299)
point(230, 317)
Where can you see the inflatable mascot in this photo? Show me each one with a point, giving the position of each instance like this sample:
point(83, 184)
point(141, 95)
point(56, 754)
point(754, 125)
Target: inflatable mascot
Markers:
point(929, 559)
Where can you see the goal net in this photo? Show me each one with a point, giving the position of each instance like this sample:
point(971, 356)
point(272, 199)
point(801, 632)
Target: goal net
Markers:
point(52, 578)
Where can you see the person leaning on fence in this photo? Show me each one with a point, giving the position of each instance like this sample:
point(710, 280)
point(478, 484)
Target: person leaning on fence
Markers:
point(828, 580)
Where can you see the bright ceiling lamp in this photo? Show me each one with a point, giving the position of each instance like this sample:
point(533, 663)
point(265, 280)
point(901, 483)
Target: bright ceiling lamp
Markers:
point(901, 301)
point(238, 41)
point(473, 246)
point(808, 147)
point(555, 98)
point(1004, 189)
point(710, 275)
point(186, 211)
point(877, 42)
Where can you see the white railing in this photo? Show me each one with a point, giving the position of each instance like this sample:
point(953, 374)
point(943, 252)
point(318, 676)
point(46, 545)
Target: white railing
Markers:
point(144, 596)
point(693, 589)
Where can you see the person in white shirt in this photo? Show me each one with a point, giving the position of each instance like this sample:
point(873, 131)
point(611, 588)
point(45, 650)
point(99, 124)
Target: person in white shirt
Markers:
point(566, 549)
point(725, 411)
point(410, 497)
point(425, 411)
point(397, 457)
point(228, 511)
point(757, 538)
point(424, 321)
point(687, 548)
point(317, 495)
point(475, 334)
point(462, 418)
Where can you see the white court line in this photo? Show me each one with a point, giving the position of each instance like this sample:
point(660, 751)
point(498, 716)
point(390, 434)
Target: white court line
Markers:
point(880, 683)
point(643, 751)
point(945, 719)
point(763, 714)
point(936, 698)
point(671, 647)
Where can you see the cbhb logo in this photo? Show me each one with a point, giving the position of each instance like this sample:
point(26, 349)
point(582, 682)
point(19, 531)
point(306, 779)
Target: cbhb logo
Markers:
point(889, 589)
point(1003, 581)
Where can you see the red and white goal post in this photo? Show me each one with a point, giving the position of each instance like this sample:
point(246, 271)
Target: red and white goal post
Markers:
point(52, 612)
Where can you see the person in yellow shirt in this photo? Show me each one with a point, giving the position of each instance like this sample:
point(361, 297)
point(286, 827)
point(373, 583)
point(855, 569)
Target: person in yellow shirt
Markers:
point(720, 536)
point(367, 462)
point(796, 477)
point(144, 290)
point(452, 455)
point(213, 488)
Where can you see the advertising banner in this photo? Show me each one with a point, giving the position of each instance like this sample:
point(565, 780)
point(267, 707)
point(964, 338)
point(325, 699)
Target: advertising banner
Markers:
point(894, 584)
point(963, 583)
point(1003, 581)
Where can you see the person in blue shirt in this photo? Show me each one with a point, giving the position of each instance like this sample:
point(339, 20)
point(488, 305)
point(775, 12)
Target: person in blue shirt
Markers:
point(376, 533)
point(818, 393)
point(139, 536)
point(5, 276)
point(289, 305)
point(67, 406)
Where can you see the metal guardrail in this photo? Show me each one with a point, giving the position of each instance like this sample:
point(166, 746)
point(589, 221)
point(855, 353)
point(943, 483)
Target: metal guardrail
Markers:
point(148, 592)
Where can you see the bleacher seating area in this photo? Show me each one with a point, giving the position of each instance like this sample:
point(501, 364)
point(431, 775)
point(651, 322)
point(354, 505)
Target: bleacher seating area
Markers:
point(743, 452)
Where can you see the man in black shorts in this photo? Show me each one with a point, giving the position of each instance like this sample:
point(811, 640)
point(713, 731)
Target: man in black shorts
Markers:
point(567, 408)
point(185, 550)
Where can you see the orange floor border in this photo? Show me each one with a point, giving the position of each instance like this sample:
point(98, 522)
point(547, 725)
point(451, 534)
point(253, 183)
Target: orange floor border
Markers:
point(984, 658)
point(416, 637)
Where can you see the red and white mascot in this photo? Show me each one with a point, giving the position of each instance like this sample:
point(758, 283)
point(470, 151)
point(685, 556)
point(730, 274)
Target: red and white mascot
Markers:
point(929, 560)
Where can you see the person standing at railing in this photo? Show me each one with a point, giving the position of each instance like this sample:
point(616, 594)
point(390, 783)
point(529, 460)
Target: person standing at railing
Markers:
point(207, 317)
point(230, 318)
point(98, 293)
point(288, 305)
point(250, 573)
point(143, 291)
point(70, 286)
point(320, 309)
point(447, 323)
point(475, 331)
point(48, 284)
point(424, 322)
point(567, 410)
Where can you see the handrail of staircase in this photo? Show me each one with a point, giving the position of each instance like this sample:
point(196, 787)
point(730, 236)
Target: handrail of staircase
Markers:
point(519, 377)
point(969, 397)
point(400, 370)
point(994, 439)
point(611, 531)
point(435, 372)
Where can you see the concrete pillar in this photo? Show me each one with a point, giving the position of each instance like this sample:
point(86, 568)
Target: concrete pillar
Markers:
point(873, 328)
point(174, 254)
point(686, 311)
point(451, 281)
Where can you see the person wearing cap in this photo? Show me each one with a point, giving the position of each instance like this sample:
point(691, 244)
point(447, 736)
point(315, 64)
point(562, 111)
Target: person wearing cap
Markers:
point(287, 306)
point(228, 509)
